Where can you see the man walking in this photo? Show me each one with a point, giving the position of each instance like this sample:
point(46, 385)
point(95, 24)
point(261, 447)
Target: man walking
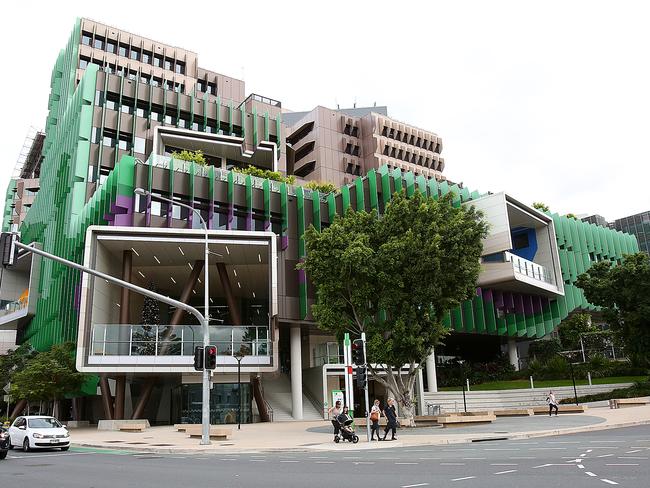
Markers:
point(552, 403)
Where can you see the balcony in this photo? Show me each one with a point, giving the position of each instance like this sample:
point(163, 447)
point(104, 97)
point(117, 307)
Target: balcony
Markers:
point(528, 268)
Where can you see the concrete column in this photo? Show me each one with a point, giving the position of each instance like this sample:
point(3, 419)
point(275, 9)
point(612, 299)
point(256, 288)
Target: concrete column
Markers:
point(513, 354)
point(432, 379)
point(296, 373)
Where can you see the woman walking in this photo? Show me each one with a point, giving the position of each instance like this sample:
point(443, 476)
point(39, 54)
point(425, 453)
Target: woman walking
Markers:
point(335, 411)
point(391, 420)
point(375, 414)
point(552, 403)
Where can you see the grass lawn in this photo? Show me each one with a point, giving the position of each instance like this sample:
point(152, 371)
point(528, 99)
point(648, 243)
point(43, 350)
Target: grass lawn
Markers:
point(516, 384)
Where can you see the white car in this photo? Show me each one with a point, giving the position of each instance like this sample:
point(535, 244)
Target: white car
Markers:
point(38, 432)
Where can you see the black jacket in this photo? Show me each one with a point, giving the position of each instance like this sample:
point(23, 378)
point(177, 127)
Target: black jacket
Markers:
point(391, 415)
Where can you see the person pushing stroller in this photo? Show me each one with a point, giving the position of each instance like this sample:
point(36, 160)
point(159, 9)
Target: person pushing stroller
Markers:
point(344, 422)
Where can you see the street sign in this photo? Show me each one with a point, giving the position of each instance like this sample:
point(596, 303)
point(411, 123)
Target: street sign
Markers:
point(7, 387)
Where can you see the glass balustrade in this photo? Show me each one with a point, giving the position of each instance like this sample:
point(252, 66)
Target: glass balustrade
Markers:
point(528, 268)
point(179, 340)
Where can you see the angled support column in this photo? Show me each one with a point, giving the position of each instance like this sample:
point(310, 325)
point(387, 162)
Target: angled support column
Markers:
point(138, 412)
point(18, 409)
point(187, 292)
point(107, 399)
point(230, 297)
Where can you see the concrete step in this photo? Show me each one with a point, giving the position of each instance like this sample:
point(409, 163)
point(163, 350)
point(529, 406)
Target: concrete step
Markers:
point(277, 392)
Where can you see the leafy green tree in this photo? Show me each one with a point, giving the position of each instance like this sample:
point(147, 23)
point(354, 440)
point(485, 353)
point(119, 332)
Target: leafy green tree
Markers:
point(14, 361)
point(321, 186)
point(571, 216)
point(195, 156)
point(542, 207)
point(573, 327)
point(394, 277)
point(623, 292)
point(48, 376)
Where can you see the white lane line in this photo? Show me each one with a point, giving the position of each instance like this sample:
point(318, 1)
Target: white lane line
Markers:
point(525, 443)
point(522, 457)
point(417, 450)
point(257, 460)
point(546, 448)
point(581, 466)
point(413, 486)
point(452, 464)
point(364, 462)
point(465, 478)
point(458, 450)
point(430, 459)
point(589, 450)
point(583, 455)
point(632, 457)
point(605, 447)
point(177, 457)
point(603, 442)
point(499, 449)
point(621, 464)
point(563, 442)
point(506, 472)
point(504, 464)
point(318, 457)
point(632, 452)
point(406, 463)
point(51, 455)
point(605, 455)
point(589, 473)
point(287, 461)
point(551, 464)
point(473, 458)
point(609, 481)
point(324, 462)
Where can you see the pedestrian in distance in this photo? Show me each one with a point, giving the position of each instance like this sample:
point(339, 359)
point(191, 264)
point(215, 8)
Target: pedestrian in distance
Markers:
point(391, 419)
point(334, 413)
point(375, 415)
point(552, 403)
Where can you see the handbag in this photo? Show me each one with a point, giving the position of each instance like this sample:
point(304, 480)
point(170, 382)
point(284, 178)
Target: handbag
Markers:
point(374, 416)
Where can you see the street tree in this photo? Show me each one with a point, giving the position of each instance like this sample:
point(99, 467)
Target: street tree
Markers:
point(48, 376)
point(623, 291)
point(394, 277)
point(541, 206)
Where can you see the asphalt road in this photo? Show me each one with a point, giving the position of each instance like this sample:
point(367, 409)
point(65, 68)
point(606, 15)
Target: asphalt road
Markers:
point(610, 457)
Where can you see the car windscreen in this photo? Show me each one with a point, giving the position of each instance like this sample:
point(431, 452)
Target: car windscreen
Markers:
point(46, 423)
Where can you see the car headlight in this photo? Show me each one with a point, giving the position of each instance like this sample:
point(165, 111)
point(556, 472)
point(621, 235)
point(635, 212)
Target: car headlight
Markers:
point(36, 435)
point(67, 434)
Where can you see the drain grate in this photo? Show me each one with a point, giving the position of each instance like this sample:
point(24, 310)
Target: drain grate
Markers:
point(136, 443)
point(162, 445)
point(490, 439)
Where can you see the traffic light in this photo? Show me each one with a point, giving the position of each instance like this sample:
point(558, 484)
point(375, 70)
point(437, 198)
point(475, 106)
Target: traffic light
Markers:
point(362, 377)
point(358, 356)
point(210, 357)
point(8, 248)
point(198, 358)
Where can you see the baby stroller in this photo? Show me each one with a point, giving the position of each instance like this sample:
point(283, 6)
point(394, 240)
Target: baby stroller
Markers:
point(347, 432)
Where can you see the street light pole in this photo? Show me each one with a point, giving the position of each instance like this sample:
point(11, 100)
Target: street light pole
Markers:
point(462, 375)
point(205, 410)
point(239, 356)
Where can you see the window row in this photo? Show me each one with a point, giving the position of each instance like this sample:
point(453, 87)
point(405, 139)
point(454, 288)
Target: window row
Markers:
point(412, 139)
point(121, 140)
point(131, 52)
point(206, 87)
point(409, 157)
point(133, 75)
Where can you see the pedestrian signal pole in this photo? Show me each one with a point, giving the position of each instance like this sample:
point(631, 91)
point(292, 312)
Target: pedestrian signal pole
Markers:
point(365, 386)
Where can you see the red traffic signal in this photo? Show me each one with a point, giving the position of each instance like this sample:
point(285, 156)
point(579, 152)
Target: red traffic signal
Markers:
point(358, 356)
point(210, 357)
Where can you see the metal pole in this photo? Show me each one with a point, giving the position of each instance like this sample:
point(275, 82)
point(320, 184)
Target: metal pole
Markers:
point(239, 392)
point(582, 348)
point(205, 397)
point(575, 392)
point(365, 387)
point(462, 373)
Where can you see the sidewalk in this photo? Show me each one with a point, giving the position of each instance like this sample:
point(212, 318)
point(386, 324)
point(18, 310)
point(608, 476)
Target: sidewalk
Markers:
point(317, 436)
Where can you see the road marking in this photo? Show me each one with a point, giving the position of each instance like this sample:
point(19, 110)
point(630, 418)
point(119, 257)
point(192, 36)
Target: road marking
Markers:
point(318, 457)
point(499, 449)
point(632, 452)
point(564, 442)
point(413, 486)
point(417, 450)
point(523, 457)
point(458, 450)
point(364, 462)
point(632, 457)
point(506, 472)
point(452, 464)
point(589, 473)
point(406, 463)
point(605, 455)
point(622, 464)
point(503, 464)
point(177, 457)
point(605, 447)
point(473, 458)
point(465, 478)
point(589, 450)
point(430, 459)
point(546, 448)
point(581, 466)
point(609, 481)
point(51, 455)
point(603, 442)
point(324, 462)
point(258, 460)
point(287, 461)
point(583, 455)
point(550, 464)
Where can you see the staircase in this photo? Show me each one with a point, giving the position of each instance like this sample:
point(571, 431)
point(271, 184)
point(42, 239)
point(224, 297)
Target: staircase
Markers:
point(277, 392)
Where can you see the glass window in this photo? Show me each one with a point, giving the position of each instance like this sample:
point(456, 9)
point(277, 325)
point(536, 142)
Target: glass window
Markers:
point(135, 54)
point(139, 145)
point(111, 46)
point(123, 144)
point(146, 57)
point(139, 112)
point(156, 81)
point(180, 67)
point(108, 141)
point(110, 104)
point(155, 116)
point(44, 423)
point(94, 138)
point(168, 64)
point(133, 75)
point(99, 43)
point(83, 63)
point(195, 126)
point(157, 60)
point(126, 109)
point(124, 50)
point(145, 79)
point(86, 38)
point(168, 119)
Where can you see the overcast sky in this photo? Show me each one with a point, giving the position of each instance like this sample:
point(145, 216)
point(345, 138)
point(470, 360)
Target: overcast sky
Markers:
point(549, 101)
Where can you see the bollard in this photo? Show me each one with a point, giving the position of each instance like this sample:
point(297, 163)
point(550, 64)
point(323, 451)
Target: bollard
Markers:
point(467, 384)
point(532, 385)
point(589, 377)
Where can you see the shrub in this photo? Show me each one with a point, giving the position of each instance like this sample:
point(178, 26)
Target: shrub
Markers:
point(195, 156)
point(321, 186)
point(640, 389)
point(544, 349)
point(266, 173)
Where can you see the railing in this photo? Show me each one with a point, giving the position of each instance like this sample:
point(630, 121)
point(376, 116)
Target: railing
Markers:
point(7, 307)
point(528, 268)
point(179, 340)
point(183, 166)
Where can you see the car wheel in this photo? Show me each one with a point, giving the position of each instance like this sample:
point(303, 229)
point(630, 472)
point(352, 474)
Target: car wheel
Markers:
point(65, 448)
point(26, 444)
